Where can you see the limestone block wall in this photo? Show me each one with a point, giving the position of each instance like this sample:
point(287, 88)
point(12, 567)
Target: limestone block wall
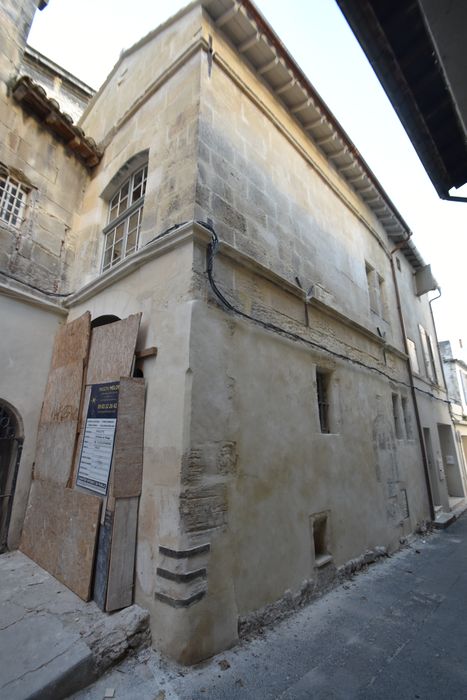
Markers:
point(15, 22)
point(72, 95)
point(140, 71)
point(163, 127)
point(274, 196)
point(38, 250)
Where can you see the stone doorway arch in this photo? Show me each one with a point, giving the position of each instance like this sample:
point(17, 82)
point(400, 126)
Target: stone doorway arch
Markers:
point(11, 445)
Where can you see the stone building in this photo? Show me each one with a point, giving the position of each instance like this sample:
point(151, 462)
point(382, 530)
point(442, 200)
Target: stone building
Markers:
point(211, 207)
point(455, 372)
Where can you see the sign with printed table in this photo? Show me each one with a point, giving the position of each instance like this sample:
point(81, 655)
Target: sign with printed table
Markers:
point(99, 437)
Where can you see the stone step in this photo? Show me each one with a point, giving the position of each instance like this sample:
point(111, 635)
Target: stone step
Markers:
point(53, 644)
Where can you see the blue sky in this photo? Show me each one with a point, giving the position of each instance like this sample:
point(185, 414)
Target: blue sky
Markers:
point(86, 38)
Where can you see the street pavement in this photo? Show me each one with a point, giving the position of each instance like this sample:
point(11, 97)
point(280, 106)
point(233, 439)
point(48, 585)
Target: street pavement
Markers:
point(395, 631)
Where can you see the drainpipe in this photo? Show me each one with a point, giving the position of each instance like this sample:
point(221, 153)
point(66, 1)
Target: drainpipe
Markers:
point(411, 379)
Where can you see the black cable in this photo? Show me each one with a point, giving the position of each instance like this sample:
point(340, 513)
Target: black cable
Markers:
point(57, 294)
point(210, 254)
point(32, 286)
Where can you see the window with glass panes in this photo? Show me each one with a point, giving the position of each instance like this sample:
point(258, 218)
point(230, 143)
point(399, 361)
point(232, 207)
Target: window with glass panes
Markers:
point(12, 199)
point(125, 214)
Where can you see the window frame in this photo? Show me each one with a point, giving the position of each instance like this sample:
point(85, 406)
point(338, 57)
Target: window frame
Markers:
point(322, 397)
point(428, 355)
point(12, 207)
point(123, 218)
point(413, 355)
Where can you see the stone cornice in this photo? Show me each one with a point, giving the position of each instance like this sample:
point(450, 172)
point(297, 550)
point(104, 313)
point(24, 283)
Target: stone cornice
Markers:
point(21, 293)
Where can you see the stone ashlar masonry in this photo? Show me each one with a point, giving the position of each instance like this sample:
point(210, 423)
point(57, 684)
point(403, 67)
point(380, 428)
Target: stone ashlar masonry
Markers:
point(245, 500)
point(39, 251)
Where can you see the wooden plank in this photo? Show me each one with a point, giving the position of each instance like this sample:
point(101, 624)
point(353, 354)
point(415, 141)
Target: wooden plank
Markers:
point(60, 532)
point(122, 554)
point(60, 410)
point(127, 466)
point(147, 352)
point(101, 574)
point(112, 350)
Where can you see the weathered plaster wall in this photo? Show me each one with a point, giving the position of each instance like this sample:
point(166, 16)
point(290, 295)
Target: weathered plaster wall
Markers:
point(25, 348)
point(260, 467)
point(160, 289)
point(431, 395)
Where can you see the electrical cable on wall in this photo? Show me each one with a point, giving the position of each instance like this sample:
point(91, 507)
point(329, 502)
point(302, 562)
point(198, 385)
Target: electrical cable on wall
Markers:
point(212, 249)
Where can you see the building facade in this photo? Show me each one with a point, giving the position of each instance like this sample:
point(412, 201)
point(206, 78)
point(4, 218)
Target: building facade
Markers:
point(455, 372)
point(211, 207)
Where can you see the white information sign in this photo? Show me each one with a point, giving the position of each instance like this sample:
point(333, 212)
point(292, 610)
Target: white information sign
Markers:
point(98, 440)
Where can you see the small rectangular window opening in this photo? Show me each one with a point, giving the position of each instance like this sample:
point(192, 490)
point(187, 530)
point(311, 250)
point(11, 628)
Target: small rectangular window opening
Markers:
point(322, 390)
point(319, 524)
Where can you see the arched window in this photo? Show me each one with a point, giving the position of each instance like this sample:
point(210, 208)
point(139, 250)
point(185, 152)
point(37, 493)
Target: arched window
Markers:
point(125, 213)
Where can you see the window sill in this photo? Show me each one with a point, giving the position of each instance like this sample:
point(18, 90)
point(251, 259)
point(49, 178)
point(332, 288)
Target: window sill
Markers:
point(322, 560)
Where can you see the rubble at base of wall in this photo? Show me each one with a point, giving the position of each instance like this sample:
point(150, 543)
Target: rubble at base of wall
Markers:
point(327, 578)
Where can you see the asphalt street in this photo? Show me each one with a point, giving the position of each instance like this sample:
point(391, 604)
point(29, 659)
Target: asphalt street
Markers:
point(397, 630)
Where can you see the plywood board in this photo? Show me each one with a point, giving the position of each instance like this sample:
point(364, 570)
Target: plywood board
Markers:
point(57, 430)
point(127, 467)
point(60, 532)
point(72, 342)
point(112, 350)
point(122, 554)
point(60, 410)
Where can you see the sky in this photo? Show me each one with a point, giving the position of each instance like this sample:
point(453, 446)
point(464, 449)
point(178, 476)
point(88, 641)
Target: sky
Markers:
point(87, 36)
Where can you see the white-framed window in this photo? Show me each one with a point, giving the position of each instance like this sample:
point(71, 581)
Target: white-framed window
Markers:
point(428, 355)
point(413, 356)
point(125, 215)
point(376, 291)
point(13, 196)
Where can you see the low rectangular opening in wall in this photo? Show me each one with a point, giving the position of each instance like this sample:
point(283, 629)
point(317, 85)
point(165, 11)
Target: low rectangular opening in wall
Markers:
point(320, 534)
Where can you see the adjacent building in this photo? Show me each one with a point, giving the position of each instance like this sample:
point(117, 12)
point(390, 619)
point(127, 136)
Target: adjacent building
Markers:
point(455, 372)
point(209, 229)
